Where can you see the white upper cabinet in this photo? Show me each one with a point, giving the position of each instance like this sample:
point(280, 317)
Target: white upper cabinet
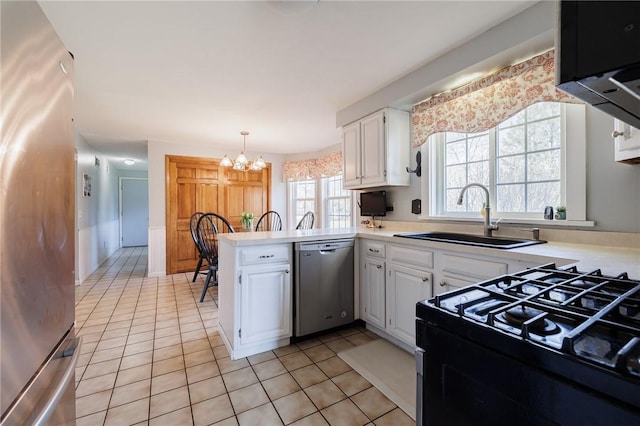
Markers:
point(375, 150)
point(627, 142)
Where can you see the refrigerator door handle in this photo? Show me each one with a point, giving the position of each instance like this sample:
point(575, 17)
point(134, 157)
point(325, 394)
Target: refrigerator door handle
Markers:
point(73, 350)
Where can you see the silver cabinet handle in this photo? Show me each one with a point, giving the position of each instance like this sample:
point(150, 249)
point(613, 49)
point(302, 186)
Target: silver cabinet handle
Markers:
point(425, 279)
point(443, 283)
point(286, 272)
point(267, 256)
point(379, 266)
point(374, 251)
point(616, 133)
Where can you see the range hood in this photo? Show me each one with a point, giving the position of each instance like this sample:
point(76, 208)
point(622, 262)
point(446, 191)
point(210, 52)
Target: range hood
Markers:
point(598, 55)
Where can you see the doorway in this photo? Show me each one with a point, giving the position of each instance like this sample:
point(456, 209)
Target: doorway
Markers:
point(134, 212)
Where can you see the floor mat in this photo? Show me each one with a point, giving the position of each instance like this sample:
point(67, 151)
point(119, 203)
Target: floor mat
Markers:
point(387, 367)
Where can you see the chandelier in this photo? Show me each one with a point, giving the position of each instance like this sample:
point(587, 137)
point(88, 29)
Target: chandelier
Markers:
point(242, 163)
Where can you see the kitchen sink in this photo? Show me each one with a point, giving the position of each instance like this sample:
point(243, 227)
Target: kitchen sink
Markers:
point(472, 240)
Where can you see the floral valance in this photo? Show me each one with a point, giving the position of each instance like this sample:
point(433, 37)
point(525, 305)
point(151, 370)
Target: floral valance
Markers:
point(327, 165)
point(486, 102)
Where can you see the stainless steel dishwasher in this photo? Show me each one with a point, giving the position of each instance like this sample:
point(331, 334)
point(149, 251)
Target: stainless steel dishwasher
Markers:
point(323, 285)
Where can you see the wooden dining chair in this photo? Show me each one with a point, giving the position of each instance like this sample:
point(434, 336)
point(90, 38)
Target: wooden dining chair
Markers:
point(208, 228)
point(193, 223)
point(270, 221)
point(307, 221)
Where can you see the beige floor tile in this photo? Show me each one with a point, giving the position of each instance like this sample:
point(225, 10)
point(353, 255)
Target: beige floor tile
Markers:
point(95, 384)
point(168, 381)
point(111, 343)
point(294, 407)
point(333, 366)
point(140, 337)
point(167, 352)
point(261, 357)
point(239, 378)
point(88, 347)
point(93, 403)
point(216, 341)
point(359, 339)
point(396, 417)
point(231, 421)
point(248, 397)
point(309, 375)
point(194, 335)
point(167, 323)
point(286, 350)
point(280, 386)
point(136, 348)
point(324, 394)
point(269, 369)
point(181, 417)
point(351, 331)
point(134, 374)
point(101, 368)
point(193, 326)
point(315, 419)
point(202, 372)
point(212, 410)
point(92, 420)
point(117, 324)
point(329, 337)
point(136, 360)
point(142, 321)
point(106, 355)
point(339, 345)
point(196, 345)
point(166, 332)
point(166, 402)
point(308, 343)
point(113, 334)
point(344, 413)
point(226, 365)
point(351, 382)
point(168, 365)
point(264, 415)
point(135, 329)
point(199, 357)
point(206, 389)
point(127, 414)
point(319, 352)
point(220, 351)
point(295, 360)
point(373, 403)
point(131, 392)
point(91, 338)
point(163, 342)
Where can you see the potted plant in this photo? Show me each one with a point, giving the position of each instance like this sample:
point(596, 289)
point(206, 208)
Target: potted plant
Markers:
point(561, 212)
point(247, 221)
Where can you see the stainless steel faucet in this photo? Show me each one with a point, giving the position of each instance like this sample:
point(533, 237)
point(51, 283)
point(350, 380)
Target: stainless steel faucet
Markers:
point(488, 227)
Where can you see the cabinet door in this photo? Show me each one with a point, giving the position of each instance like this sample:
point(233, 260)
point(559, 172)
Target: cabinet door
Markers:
point(351, 154)
point(265, 303)
point(373, 149)
point(374, 308)
point(451, 282)
point(627, 143)
point(405, 288)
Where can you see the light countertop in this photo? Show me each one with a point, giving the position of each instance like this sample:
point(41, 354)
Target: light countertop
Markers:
point(610, 260)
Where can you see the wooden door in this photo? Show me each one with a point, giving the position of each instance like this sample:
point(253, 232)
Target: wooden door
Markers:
point(200, 184)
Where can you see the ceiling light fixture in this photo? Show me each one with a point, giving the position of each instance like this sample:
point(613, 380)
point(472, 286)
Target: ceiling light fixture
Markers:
point(129, 161)
point(242, 163)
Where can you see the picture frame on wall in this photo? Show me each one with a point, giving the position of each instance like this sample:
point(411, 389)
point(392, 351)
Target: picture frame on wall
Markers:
point(86, 185)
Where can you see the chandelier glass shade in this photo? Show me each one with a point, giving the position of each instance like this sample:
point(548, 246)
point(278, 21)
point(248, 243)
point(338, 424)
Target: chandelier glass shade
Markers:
point(241, 162)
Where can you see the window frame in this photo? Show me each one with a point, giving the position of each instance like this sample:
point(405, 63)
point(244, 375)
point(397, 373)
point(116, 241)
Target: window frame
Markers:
point(573, 150)
point(321, 202)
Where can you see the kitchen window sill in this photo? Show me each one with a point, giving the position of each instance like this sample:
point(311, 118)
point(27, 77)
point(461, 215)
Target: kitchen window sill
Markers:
point(515, 221)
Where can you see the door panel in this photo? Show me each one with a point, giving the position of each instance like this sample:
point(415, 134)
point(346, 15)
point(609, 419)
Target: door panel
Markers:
point(135, 212)
point(200, 184)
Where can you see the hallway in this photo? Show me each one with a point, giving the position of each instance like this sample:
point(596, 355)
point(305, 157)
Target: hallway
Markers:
point(151, 354)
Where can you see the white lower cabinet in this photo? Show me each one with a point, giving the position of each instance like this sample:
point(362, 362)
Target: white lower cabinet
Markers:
point(255, 297)
point(374, 291)
point(265, 303)
point(405, 287)
point(456, 271)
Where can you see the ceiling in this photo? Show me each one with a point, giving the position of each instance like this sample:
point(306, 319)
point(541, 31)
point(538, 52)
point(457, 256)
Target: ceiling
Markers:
point(200, 72)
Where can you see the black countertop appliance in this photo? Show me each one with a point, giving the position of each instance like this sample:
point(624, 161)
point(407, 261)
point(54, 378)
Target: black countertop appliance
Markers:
point(544, 346)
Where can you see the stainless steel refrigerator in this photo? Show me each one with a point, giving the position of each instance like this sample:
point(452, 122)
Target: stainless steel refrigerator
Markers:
point(38, 349)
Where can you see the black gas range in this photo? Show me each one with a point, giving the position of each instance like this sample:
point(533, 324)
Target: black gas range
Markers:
point(544, 346)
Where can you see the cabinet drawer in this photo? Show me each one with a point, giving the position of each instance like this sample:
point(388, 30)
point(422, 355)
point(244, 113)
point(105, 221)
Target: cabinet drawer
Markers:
point(411, 256)
point(473, 268)
point(374, 249)
point(265, 254)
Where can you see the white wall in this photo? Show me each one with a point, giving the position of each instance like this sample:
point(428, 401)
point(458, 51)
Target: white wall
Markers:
point(157, 150)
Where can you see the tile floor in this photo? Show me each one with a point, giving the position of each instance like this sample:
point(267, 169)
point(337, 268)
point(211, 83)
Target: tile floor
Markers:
point(151, 355)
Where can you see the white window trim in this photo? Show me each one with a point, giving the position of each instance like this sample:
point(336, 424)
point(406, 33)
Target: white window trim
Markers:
point(320, 205)
point(575, 184)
